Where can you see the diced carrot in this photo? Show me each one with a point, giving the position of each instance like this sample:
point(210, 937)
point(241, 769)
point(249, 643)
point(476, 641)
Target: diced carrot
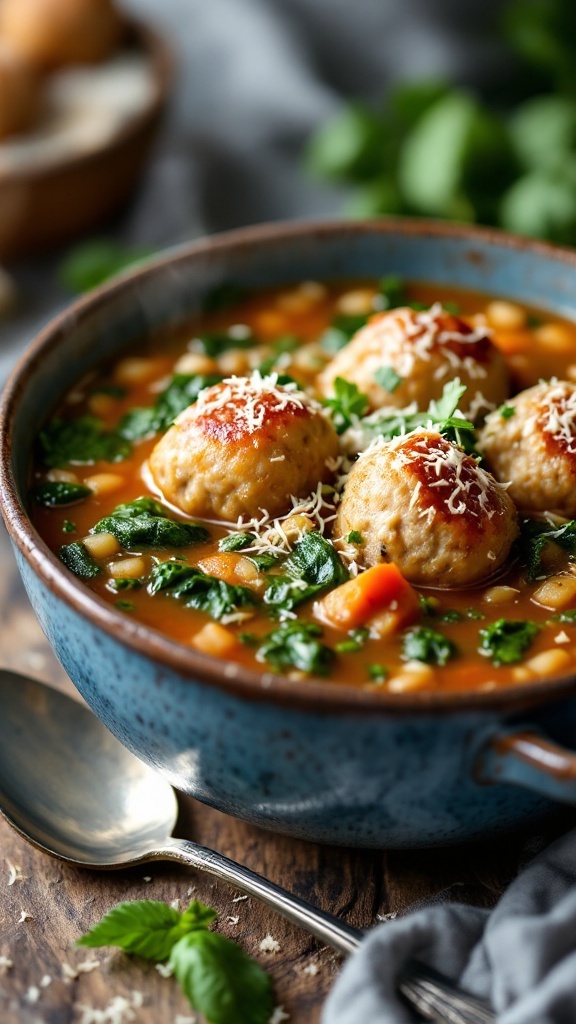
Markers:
point(380, 588)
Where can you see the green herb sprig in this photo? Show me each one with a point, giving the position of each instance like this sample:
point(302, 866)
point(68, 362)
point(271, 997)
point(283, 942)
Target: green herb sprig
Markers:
point(217, 977)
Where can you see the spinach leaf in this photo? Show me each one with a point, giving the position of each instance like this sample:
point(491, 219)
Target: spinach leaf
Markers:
point(59, 492)
point(355, 642)
point(312, 566)
point(80, 441)
point(78, 559)
point(198, 590)
point(505, 641)
point(144, 523)
point(236, 541)
point(537, 534)
point(348, 405)
point(427, 645)
point(296, 645)
point(182, 391)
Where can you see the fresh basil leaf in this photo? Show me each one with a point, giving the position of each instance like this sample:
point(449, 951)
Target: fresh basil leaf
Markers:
point(144, 523)
point(198, 590)
point(440, 415)
point(296, 645)
point(220, 980)
point(543, 131)
point(59, 492)
point(347, 406)
point(149, 928)
point(542, 204)
point(506, 641)
point(80, 441)
point(77, 558)
point(427, 645)
point(197, 915)
point(182, 391)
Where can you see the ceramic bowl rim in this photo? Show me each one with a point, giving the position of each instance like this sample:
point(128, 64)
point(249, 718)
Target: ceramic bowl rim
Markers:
point(313, 694)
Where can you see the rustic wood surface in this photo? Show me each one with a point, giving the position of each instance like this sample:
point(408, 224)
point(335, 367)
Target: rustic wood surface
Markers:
point(45, 905)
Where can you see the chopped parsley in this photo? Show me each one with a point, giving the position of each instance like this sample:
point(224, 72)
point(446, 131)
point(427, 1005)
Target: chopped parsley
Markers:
point(82, 440)
point(198, 590)
point(506, 640)
point(214, 343)
point(125, 606)
point(441, 414)
point(568, 616)
point(377, 673)
point(144, 523)
point(354, 537)
point(68, 526)
point(341, 330)
point(182, 391)
point(347, 406)
point(506, 411)
point(78, 559)
point(59, 492)
point(387, 377)
point(125, 583)
point(355, 642)
point(427, 645)
point(296, 645)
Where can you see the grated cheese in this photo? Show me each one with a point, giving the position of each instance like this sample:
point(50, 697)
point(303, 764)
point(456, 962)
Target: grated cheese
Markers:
point(32, 994)
point(557, 415)
point(269, 945)
point(14, 873)
point(165, 970)
point(279, 1015)
point(6, 964)
point(119, 1011)
point(24, 916)
point(250, 400)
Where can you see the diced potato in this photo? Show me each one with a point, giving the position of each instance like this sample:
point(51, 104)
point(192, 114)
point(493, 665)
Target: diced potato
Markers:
point(548, 663)
point(302, 299)
point(357, 302)
point(296, 525)
point(556, 593)
point(64, 476)
point(101, 404)
point(215, 639)
point(128, 568)
point(104, 483)
point(235, 362)
point(505, 316)
point(414, 676)
point(194, 362)
point(138, 369)
point(500, 595)
point(557, 338)
point(101, 545)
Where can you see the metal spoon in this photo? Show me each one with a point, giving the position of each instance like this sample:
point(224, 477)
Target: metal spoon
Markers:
point(73, 791)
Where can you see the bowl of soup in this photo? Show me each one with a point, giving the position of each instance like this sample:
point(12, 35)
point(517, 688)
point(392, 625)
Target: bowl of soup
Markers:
point(294, 506)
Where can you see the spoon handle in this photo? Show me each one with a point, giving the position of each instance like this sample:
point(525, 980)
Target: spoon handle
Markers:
point(436, 998)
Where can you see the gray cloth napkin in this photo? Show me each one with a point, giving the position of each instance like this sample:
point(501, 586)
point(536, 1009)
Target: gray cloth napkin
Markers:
point(520, 957)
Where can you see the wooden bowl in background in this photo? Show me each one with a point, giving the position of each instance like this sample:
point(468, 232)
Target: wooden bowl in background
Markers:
point(51, 202)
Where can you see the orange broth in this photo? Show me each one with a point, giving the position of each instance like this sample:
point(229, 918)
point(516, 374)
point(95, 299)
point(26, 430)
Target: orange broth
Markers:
point(542, 346)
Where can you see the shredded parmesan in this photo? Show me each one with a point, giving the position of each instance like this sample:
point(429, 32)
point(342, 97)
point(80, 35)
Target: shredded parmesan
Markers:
point(249, 400)
point(119, 1011)
point(557, 417)
point(6, 964)
point(279, 1016)
point(165, 970)
point(269, 945)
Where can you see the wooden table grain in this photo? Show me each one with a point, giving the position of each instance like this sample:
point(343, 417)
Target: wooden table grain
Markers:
point(46, 905)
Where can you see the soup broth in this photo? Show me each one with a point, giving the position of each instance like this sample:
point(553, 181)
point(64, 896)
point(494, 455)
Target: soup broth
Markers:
point(285, 589)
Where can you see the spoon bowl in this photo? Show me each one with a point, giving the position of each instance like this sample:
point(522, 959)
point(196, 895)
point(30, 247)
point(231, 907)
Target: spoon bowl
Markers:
point(69, 787)
point(72, 790)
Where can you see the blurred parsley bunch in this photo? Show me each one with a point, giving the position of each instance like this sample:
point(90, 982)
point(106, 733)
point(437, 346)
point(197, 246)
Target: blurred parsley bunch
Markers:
point(437, 150)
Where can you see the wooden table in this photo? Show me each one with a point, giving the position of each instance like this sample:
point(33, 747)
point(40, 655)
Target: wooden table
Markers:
point(46, 905)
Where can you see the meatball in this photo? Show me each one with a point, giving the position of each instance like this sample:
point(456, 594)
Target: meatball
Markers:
point(422, 503)
point(53, 33)
point(424, 350)
point(246, 445)
point(19, 93)
point(531, 445)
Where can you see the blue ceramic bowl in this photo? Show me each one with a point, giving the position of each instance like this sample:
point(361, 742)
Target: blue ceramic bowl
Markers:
point(309, 758)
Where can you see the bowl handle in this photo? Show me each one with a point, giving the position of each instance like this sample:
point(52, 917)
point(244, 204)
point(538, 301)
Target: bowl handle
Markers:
point(524, 757)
